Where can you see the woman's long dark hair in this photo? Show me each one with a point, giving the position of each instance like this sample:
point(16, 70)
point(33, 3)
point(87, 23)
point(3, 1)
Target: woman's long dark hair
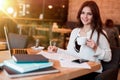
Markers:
point(96, 21)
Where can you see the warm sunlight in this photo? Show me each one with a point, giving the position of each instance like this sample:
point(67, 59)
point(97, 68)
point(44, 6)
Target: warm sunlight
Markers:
point(1, 3)
point(10, 10)
point(4, 4)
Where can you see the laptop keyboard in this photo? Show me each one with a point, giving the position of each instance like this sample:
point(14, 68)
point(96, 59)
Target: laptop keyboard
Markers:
point(20, 51)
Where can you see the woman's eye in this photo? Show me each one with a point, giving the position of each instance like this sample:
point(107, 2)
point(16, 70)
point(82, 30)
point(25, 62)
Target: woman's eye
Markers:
point(82, 12)
point(89, 13)
point(86, 13)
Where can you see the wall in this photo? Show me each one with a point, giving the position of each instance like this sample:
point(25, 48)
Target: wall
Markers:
point(108, 9)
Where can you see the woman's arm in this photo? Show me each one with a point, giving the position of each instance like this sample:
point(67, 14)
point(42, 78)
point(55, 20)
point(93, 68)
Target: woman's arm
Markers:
point(103, 51)
point(70, 45)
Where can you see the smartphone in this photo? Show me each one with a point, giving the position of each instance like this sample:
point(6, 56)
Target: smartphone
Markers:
point(80, 60)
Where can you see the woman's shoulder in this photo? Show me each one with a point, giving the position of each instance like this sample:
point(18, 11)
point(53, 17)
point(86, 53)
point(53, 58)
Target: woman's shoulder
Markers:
point(75, 29)
point(115, 28)
point(101, 34)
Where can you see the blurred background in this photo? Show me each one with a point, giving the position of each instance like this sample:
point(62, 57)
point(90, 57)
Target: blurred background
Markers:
point(27, 17)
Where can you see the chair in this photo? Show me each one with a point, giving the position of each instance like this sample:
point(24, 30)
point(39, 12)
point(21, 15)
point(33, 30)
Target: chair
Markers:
point(110, 69)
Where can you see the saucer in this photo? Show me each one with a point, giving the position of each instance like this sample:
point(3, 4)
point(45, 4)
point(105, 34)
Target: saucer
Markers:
point(38, 48)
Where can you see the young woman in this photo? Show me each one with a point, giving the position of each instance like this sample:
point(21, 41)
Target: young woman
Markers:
point(97, 46)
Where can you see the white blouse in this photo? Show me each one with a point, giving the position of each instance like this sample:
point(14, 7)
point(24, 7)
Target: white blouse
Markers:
point(103, 51)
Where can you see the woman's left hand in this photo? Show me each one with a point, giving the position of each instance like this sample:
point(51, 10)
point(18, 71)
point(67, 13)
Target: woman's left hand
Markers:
point(91, 43)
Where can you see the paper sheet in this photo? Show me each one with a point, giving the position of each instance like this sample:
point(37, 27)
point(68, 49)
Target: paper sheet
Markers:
point(69, 64)
point(57, 56)
point(65, 60)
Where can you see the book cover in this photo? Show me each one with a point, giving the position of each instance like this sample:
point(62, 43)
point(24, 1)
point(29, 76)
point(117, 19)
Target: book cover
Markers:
point(29, 58)
point(26, 67)
point(15, 74)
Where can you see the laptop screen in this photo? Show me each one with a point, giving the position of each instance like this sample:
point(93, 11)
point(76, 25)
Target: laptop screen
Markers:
point(5, 55)
point(11, 39)
point(7, 39)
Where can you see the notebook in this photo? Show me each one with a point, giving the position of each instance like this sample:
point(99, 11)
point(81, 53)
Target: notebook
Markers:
point(4, 55)
point(26, 67)
point(14, 74)
point(13, 51)
point(26, 58)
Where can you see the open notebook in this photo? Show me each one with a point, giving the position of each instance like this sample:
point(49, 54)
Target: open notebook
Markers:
point(13, 51)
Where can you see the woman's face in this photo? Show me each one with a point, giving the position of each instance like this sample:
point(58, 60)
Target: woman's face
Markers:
point(86, 16)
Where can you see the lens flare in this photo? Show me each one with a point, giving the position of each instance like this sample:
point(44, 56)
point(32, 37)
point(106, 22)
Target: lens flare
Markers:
point(10, 10)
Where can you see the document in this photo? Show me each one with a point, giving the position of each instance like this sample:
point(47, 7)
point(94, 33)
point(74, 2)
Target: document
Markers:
point(65, 60)
point(57, 56)
point(70, 64)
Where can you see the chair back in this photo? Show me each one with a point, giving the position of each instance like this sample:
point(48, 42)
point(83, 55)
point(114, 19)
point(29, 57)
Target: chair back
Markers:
point(110, 69)
point(114, 63)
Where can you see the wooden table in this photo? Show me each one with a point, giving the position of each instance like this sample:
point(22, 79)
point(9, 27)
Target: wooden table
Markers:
point(64, 74)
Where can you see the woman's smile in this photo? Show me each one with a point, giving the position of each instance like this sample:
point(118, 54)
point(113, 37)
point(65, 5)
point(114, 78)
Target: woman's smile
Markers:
point(86, 16)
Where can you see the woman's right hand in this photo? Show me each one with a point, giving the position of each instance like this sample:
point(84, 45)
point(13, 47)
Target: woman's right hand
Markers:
point(52, 49)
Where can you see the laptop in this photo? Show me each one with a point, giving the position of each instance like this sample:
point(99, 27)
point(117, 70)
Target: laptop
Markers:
point(8, 55)
point(13, 51)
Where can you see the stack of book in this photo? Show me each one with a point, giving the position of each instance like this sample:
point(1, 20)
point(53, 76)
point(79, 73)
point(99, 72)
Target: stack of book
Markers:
point(26, 65)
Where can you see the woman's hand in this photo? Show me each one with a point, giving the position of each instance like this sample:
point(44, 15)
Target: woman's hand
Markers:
point(91, 44)
point(52, 49)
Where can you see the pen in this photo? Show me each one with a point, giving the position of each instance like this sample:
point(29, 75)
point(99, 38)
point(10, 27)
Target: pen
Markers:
point(50, 43)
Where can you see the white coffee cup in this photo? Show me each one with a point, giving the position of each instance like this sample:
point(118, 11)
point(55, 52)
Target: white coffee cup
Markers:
point(81, 40)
